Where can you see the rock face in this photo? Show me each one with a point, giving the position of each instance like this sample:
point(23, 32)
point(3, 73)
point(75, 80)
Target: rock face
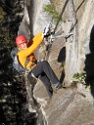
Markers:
point(67, 106)
point(74, 105)
point(79, 20)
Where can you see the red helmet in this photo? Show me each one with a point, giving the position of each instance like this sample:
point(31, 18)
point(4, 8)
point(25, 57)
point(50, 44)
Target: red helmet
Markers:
point(20, 39)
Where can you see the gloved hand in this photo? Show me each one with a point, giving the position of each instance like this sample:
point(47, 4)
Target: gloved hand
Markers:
point(45, 32)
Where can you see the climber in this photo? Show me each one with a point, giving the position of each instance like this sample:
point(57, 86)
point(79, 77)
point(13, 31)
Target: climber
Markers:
point(41, 69)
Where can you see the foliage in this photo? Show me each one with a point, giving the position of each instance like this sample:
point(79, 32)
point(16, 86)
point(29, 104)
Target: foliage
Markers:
point(79, 78)
point(51, 12)
point(6, 45)
point(2, 14)
point(62, 64)
point(78, 75)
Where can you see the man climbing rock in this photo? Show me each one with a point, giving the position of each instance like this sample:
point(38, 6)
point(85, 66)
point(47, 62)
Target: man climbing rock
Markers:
point(41, 69)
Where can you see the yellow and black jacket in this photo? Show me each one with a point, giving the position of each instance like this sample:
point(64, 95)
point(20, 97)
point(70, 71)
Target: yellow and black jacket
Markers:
point(29, 52)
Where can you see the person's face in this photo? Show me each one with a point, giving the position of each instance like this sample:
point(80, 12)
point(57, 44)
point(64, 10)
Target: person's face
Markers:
point(23, 46)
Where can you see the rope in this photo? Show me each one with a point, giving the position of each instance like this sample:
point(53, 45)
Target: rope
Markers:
point(60, 15)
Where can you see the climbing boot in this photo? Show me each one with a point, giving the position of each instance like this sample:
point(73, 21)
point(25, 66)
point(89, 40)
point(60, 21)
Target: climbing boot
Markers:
point(58, 85)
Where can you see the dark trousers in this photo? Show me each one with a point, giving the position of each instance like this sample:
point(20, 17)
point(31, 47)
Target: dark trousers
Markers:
point(44, 72)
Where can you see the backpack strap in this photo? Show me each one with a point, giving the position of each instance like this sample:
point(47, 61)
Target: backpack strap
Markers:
point(20, 64)
point(14, 52)
point(26, 62)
